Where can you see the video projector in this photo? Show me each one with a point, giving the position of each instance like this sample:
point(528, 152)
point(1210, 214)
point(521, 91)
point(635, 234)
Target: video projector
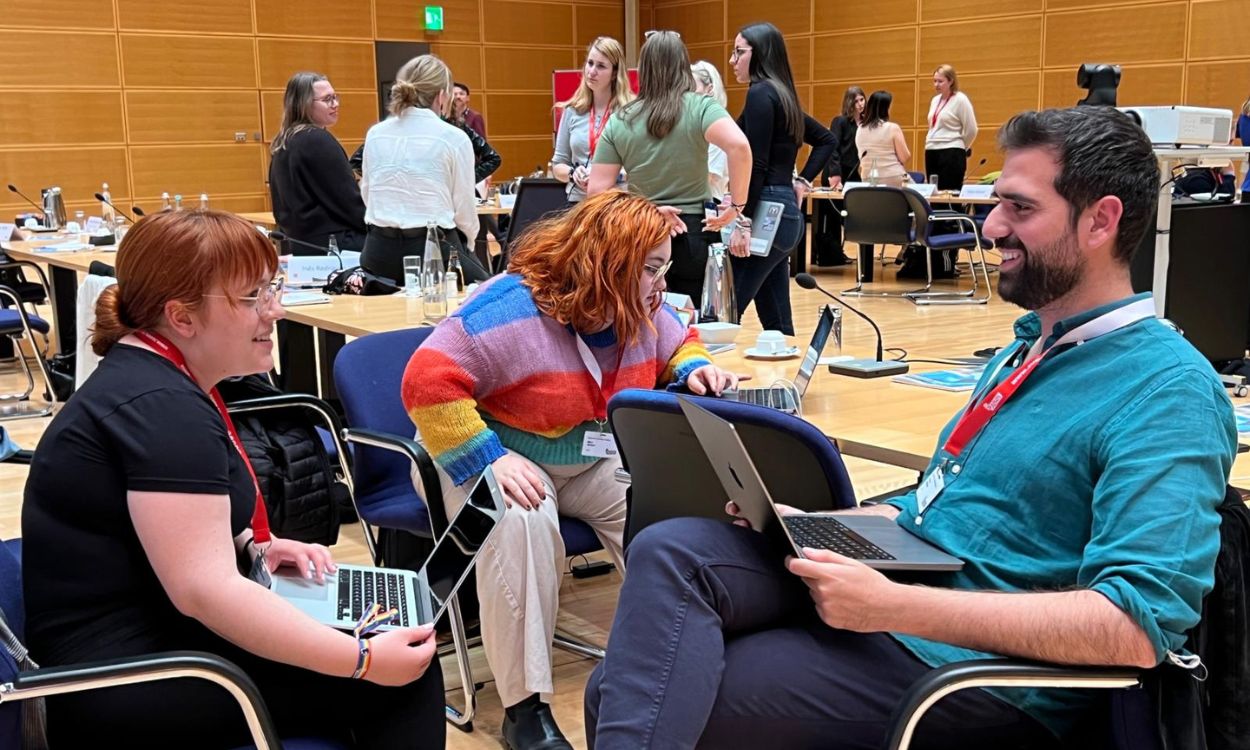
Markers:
point(1184, 126)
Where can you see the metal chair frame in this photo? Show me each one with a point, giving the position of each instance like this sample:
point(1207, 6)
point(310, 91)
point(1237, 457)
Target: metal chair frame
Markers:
point(925, 218)
point(18, 405)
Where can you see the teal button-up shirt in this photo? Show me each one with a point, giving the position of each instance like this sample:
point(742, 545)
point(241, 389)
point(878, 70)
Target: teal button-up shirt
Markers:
point(1102, 472)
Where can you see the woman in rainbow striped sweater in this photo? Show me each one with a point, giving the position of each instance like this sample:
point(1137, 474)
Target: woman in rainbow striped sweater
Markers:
point(518, 379)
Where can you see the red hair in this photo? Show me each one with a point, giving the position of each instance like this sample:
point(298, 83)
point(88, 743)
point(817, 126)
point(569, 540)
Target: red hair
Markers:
point(584, 267)
point(177, 255)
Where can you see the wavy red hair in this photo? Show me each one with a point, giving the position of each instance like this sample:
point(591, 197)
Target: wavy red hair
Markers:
point(585, 266)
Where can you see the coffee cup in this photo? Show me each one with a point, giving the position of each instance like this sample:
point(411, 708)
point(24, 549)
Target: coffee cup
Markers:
point(771, 342)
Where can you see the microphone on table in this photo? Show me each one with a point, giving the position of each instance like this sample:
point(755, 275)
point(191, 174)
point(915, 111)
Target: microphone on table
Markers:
point(120, 213)
point(279, 236)
point(138, 211)
point(13, 188)
point(857, 368)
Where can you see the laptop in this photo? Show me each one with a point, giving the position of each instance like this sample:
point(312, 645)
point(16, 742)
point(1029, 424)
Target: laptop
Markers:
point(420, 598)
point(876, 541)
point(783, 397)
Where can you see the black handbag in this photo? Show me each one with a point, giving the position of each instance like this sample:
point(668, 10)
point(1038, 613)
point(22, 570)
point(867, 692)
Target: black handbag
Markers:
point(356, 280)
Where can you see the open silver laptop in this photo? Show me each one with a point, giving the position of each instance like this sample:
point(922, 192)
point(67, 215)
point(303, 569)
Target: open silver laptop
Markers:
point(783, 397)
point(420, 597)
point(876, 541)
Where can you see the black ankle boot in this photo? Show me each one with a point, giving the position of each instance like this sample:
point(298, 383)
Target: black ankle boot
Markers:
point(529, 725)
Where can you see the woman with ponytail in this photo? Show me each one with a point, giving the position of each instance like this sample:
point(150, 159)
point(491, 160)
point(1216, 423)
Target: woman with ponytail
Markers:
point(144, 530)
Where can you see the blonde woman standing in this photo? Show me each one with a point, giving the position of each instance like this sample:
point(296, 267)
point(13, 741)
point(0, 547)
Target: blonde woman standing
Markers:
point(952, 129)
point(604, 89)
point(707, 81)
point(418, 170)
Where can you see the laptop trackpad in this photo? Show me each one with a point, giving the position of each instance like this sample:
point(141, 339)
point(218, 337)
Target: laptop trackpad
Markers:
point(292, 586)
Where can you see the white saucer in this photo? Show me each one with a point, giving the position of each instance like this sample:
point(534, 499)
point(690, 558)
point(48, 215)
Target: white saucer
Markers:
point(790, 353)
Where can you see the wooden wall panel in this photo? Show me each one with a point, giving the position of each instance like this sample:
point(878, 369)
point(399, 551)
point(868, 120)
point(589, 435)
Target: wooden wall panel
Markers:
point(977, 46)
point(718, 55)
point(58, 59)
point(932, 11)
point(896, 48)
point(226, 16)
point(1217, 29)
point(526, 68)
point(349, 65)
point(1150, 33)
point(404, 19)
point(528, 23)
point(828, 98)
point(188, 61)
point(162, 116)
point(1000, 95)
point(521, 155)
point(77, 171)
point(864, 14)
point(62, 14)
point(46, 118)
point(1139, 85)
point(1224, 84)
point(600, 20)
point(800, 51)
point(235, 168)
point(465, 61)
point(791, 17)
point(337, 18)
point(699, 23)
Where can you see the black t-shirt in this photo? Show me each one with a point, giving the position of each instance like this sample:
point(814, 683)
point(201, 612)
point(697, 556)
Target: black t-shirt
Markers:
point(138, 423)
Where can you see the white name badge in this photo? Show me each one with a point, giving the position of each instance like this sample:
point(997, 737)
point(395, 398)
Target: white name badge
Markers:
point(599, 445)
point(977, 191)
point(7, 232)
point(929, 489)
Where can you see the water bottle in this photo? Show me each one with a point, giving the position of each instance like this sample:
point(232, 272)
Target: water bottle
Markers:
point(434, 293)
point(165, 204)
point(178, 201)
point(874, 176)
point(453, 280)
point(203, 201)
point(106, 209)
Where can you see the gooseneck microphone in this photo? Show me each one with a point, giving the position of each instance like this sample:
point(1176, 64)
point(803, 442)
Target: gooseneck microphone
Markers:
point(279, 236)
point(120, 213)
point(857, 368)
point(13, 188)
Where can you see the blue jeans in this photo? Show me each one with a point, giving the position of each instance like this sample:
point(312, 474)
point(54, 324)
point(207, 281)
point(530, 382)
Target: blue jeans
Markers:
point(765, 279)
point(715, 644)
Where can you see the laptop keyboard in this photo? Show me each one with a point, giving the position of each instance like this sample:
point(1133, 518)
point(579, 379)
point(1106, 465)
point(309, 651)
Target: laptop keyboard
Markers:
point(359, 589)
point(776, 398)
point(826, 532)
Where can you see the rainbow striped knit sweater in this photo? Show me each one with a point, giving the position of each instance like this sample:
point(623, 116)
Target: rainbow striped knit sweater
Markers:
point(500, 374)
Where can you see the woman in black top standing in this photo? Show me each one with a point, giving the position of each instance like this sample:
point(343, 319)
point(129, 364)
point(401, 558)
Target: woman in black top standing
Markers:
point(827, 242)
point(776, 127)
point(311, 186)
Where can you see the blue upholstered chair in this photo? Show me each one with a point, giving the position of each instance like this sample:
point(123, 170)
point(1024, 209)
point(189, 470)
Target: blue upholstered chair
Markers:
point(966, 237)
point(798, 463)
point(19, 324)
point(16, 687)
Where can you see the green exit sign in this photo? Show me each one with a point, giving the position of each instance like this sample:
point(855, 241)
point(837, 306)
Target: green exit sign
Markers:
point(433, 18)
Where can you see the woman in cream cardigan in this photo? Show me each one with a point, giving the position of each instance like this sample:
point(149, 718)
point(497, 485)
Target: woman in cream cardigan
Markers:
point(952, 128)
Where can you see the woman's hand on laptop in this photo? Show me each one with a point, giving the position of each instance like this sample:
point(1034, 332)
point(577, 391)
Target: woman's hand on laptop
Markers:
point(402, 655)
point(311, 560)
point(732, 509)
point(710, 378)
point(520, 481)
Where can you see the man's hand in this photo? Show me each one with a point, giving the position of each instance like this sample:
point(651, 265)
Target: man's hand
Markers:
point(848, 594)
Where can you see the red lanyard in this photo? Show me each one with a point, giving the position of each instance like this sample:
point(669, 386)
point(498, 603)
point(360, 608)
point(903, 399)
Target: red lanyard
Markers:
point(166, 348)
point(978, 416)
point(594, 134)
point(605, 385)
point(940, 106)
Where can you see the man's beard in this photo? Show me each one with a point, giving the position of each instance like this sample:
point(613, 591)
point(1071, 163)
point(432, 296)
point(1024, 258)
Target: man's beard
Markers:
point(1043, 274)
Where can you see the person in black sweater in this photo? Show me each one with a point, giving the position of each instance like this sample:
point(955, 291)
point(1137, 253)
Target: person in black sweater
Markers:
point(827, 215)
point(312, 188)
point(776, 127)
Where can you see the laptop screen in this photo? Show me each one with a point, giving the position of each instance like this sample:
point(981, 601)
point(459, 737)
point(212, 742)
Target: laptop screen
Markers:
point(814, 349)
point(456, 550)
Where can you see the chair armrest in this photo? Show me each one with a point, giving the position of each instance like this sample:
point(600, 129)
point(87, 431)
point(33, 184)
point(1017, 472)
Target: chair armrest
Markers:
point(323, 410)
point(9, 263)
point(169, 665)
point(941, 682)
point(415, 453)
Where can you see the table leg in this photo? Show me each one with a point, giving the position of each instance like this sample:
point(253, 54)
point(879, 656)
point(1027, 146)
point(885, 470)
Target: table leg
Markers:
point(299, 357)
point(65, 307)
point(866, 262)
point(329, 343)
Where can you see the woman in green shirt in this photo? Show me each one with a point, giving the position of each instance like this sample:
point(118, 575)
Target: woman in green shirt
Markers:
point(661, 140)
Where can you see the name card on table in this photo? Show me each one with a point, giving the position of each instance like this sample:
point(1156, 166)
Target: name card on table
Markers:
point(977, 191)
point(925, 189)
point(94, 223)
point(9, 232)
point(852, 185)
point(313, 270)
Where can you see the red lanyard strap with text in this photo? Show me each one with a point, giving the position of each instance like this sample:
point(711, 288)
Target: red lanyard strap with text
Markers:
point(594, 134)
point(605, 385)
point(977, 415)
point(166, 348)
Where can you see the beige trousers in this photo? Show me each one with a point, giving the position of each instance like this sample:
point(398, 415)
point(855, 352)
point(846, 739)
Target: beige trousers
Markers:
point(520, 569)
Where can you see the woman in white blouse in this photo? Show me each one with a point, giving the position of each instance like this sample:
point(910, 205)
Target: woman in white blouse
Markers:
point(952, 128)
point(417, 171)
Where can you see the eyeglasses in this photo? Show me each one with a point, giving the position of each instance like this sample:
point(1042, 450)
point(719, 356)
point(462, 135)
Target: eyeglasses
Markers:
point(657, 272)
point(264, 298)
point(653, 32)
point(738, 53)
point(331, 100)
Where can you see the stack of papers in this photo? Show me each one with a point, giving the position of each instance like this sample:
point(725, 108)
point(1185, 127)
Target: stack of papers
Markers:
point(959, 379)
